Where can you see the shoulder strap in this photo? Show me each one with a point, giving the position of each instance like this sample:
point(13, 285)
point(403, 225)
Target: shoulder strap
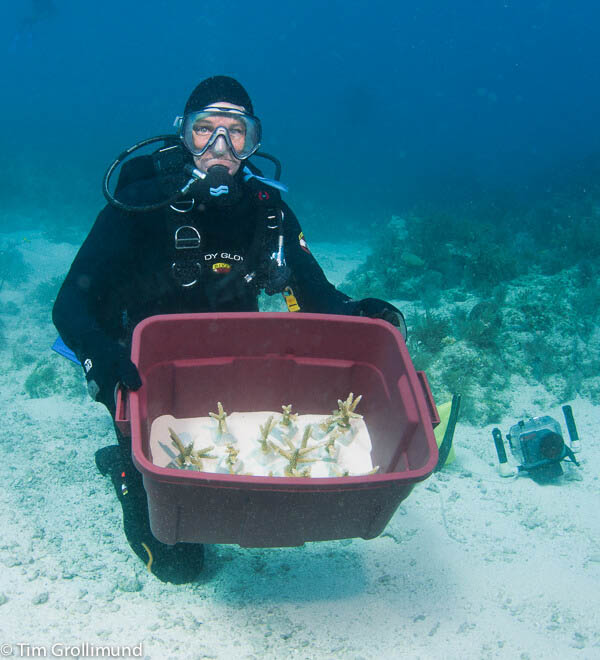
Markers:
point(266, 256)
point(184, 243)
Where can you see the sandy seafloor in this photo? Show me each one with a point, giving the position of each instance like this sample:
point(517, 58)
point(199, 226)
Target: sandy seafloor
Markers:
point(470, 566)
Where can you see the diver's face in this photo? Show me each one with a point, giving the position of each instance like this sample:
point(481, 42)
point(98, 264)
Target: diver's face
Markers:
point(218, 153)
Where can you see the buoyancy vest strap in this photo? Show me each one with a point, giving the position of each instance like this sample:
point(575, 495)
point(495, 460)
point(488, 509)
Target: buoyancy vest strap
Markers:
point(186, 262)
point(268, 269)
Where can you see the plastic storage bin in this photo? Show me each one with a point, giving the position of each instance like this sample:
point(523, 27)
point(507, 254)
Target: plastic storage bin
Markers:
point(259, 361)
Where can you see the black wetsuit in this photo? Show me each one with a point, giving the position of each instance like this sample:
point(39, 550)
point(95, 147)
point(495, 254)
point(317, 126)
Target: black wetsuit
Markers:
point(123, 272)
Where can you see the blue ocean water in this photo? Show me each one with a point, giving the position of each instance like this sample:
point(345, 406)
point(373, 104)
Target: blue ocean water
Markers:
point(371, 106)
point(472, 124)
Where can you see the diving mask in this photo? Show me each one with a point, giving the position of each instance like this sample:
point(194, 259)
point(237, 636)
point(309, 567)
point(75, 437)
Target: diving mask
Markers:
point(201, 129)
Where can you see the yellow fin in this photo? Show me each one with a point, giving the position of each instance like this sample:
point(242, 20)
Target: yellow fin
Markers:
point(440, 429)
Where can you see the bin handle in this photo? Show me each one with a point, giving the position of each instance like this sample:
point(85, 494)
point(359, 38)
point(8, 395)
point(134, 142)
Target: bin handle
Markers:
point(122, 416)
point(433, 413)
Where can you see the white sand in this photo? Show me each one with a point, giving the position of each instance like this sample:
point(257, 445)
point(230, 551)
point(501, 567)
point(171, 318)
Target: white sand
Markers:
point(471, 565)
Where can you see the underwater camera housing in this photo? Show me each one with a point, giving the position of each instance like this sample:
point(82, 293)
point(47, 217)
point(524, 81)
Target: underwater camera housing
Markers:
point(538, 446)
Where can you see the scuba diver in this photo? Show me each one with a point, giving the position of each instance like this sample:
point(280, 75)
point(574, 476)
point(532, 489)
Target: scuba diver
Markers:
point(213, 246)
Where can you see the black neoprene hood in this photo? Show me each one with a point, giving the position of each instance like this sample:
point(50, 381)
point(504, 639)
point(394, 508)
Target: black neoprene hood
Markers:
point(218, 88)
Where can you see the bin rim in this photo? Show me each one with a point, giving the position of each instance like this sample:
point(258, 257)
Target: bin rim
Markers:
point(220, 480)
point(296, 316)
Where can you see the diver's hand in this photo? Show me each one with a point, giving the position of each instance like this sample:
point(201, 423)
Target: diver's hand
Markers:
point(107, 366)
point(380, 309)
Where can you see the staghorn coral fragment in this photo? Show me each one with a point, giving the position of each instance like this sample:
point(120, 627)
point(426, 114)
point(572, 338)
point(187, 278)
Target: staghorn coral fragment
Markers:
point(188, 456)
point(333, 436)
point(296, 455)
point(220, 417)
point(232, 463)
point(346, 410)
point(184, 451)
point(327, 423)
point(198, 456)
point(343, 415)
point(287, 417)
point(265, 430)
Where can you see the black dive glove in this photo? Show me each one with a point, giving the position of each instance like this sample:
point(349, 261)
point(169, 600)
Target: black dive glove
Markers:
point(380, 309)
point(107, 366)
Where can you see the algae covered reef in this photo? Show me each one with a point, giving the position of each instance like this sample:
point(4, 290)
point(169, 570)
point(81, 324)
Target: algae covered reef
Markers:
point(498, 294)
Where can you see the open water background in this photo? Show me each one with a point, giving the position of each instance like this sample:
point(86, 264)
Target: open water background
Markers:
point(372, 106)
